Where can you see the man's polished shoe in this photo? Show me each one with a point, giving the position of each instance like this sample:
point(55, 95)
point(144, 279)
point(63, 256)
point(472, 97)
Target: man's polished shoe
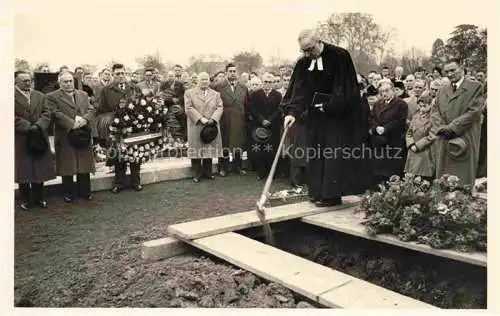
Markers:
point(116, 190)
point(25, 206)
point(196, 179)
point(69, 199)
point(222, 173)
point(241, 171)
point(211, 177)
point(137, 187)
point(42, 204)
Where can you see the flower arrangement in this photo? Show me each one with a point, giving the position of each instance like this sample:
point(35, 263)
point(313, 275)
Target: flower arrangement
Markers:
point(440, 214)
point(144, 115)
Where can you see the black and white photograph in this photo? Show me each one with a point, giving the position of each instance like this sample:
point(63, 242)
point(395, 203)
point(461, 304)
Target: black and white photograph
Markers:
point(243, 155)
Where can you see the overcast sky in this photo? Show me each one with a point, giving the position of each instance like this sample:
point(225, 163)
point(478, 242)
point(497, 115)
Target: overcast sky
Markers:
point(96, 31)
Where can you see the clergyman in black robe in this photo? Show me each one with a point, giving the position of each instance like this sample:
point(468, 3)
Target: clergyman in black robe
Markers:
point(336, 127)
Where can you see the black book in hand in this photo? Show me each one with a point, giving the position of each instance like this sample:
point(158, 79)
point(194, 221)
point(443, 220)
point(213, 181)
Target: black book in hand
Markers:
point(320, 98)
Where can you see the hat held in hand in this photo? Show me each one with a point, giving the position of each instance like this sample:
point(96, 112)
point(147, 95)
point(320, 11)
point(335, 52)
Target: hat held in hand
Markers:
point(80, 138)
point(209, 133)
point(36, 143)
point(261, 134)
point(458, 150)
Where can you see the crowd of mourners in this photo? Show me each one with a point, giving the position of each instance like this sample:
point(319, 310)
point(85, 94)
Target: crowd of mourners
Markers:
point(229, 115)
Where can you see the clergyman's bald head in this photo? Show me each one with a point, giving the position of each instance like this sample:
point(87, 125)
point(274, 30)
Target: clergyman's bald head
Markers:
point(310, 34)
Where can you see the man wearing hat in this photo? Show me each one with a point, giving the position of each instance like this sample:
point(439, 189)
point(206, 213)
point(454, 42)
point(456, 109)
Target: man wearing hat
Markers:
point(73, 116)
point(400, 90)
point(203, 110)
point(456, 120)
point(265, 125)
point(34, 162)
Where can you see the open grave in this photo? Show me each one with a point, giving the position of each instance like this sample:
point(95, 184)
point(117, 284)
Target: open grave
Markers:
point(326, 256)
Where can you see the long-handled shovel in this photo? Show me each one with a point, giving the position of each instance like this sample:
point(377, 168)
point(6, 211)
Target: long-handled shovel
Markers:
point(268, 233)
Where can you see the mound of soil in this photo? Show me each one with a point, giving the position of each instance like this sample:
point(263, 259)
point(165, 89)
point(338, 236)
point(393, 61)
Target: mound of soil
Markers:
point(87, 254)
point(437, 281)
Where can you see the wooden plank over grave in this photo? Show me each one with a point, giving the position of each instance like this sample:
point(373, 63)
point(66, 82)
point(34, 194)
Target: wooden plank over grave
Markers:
point(226, 223)
point(302, 276)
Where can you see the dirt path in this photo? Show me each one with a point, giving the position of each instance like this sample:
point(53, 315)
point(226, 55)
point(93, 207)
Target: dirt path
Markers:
point(88, 254)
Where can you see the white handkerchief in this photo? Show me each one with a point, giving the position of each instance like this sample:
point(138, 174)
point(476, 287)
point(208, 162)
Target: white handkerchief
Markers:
point(319, 60)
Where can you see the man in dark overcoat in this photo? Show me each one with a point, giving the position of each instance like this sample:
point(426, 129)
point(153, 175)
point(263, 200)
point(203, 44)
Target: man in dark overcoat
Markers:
point(172, 91)
point(233, 123)
point(118, 91)
point(72, 111)
point(335, 124)
point(264, 110)
point(32, 118)
point(387, 134)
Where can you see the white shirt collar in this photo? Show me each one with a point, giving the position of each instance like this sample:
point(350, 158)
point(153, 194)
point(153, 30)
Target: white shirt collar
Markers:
point(22, 91)
point(459, 82)
point(319, 61)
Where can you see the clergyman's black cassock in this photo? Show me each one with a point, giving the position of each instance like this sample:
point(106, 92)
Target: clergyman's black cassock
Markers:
point(337, 159)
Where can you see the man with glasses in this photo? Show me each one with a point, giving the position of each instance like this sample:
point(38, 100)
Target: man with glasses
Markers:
point(324, 85)
point(263, 107)
point(434, 89)
point(413, 99)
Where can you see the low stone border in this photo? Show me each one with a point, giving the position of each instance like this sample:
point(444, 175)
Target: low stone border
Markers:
point(159, 170)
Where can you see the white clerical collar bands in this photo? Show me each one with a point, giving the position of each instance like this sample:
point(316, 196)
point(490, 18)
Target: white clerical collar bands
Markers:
point(319, 61)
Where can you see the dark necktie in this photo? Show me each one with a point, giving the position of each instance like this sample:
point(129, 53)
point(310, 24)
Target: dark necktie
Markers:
point(454, 87)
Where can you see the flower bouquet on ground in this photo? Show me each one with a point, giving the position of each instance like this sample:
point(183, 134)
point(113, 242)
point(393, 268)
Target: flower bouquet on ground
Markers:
point(481, 185)
point(289, 196)
point(440, 214)
point(175, 147)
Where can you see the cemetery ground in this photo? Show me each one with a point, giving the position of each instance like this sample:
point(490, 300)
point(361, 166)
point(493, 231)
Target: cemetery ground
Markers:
point(88, 254)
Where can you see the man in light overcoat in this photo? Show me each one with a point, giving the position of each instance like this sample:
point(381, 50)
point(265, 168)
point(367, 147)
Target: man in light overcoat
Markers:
point(456, 119)
point(203, 106)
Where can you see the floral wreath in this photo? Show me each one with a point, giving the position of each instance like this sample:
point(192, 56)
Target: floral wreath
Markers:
point(144, 115)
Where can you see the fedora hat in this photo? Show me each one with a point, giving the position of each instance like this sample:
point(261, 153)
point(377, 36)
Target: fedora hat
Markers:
point(36, 143)
point(458, 149)
point(175, 109)
point(208, 133)
point(80, 138)
point(261, 134)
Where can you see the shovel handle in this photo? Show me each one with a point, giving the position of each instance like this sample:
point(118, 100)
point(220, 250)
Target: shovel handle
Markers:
point(269, 180)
